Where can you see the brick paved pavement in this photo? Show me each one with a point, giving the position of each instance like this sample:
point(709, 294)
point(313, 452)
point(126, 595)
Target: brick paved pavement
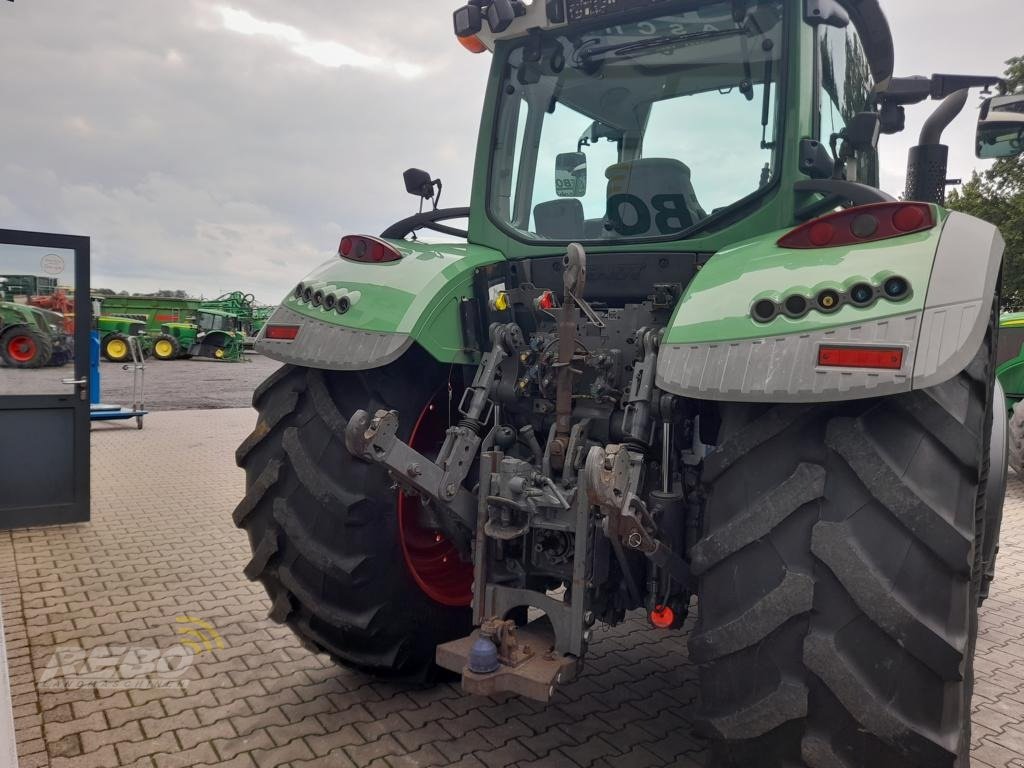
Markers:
point(161, 545)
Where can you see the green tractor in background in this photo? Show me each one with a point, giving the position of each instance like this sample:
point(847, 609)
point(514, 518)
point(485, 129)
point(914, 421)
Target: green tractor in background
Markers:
point(216, 334)
point(1011, 376)
point(687, 354)
point(33, 338)
point(115, 333)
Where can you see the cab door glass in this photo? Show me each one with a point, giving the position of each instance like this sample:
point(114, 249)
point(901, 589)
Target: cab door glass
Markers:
point(846, 88)
point(37, 320)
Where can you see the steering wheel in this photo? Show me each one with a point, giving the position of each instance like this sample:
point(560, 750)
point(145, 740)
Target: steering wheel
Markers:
point(428, 220)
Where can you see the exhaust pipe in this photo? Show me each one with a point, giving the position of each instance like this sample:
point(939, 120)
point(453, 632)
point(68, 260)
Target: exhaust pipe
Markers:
point(928, 163)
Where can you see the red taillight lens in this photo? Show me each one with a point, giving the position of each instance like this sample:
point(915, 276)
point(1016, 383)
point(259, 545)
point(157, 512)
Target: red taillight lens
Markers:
point(366, 249)
point(864, 224)
point(886, 358)
point(282, 332)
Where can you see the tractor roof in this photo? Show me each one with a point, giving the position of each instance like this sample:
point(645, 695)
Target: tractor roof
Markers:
point(867, 15)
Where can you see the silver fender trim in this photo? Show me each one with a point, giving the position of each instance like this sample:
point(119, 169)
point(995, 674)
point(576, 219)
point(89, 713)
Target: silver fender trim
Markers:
point(329, 346)
point(959, 303)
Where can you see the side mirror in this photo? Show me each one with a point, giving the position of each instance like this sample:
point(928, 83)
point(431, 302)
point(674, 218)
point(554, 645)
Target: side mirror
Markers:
point(571, 174)
point(419, 183)
point(1001, 127)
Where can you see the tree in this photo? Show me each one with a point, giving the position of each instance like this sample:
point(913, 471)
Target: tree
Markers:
point(997, 195)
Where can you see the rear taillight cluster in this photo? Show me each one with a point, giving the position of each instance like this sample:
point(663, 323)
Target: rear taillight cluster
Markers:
point(368, 250)
point(864, 224)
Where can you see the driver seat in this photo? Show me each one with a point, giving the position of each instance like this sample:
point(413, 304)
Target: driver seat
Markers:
point(654, 180)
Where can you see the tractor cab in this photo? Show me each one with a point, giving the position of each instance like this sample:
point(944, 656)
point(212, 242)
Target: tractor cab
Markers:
point(621, 125)
point(217, 320)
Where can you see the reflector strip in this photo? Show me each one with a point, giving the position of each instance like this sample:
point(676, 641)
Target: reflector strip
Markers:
point(282, 332)
point(885, 358)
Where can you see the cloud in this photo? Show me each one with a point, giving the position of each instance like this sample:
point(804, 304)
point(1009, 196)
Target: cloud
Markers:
point(326, 53)
point(197, 157)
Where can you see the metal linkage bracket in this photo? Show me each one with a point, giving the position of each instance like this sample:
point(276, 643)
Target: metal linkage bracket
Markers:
point(611, 478)
point(376, 440)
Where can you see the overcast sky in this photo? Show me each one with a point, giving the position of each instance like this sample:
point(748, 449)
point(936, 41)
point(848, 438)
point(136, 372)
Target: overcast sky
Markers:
point(214, 146)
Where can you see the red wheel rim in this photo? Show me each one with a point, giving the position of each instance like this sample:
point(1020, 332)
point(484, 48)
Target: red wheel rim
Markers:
point(21, 349)
point(432, 560)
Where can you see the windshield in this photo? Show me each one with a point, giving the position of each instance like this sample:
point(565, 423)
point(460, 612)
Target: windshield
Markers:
point(210, 322)
point(638, 131)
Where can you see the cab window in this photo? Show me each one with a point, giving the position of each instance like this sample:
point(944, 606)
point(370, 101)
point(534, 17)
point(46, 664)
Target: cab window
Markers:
point(846, 88)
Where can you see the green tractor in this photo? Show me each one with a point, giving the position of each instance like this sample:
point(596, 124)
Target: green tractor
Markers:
point(216, 335)
point(33, 338)
point(115, 333)
point(688, 356)
point(1011, 377)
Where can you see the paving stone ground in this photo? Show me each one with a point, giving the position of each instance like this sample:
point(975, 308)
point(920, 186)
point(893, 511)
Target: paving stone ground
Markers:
point(161, 546)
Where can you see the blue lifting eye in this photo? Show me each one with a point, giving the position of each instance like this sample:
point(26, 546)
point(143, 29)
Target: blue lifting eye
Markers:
point(862, 293)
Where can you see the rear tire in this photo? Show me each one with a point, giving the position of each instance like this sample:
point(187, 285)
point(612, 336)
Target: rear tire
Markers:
point(166, 347)
point(22, 346)
point(323, 525)
point(839, 578)
point(116, 348)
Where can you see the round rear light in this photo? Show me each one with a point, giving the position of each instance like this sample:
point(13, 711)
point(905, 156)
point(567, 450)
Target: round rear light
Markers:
point(908, 218)
point(864, 225)
point(821, 234)
point(796, 306)
point(346, 246)
point(896, 288)
point(376, 251)
point(828, 300)
point(862, 294)
point(765, 310)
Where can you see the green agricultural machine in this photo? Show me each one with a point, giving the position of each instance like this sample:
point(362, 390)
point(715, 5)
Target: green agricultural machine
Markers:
point(115, 333)
point(216, 334)
point(33, 338)
point(688, 357)
point(181, 328)
point(1010, 362)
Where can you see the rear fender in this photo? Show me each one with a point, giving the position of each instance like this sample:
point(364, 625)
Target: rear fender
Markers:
point(713, 348)
point(380, 310)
